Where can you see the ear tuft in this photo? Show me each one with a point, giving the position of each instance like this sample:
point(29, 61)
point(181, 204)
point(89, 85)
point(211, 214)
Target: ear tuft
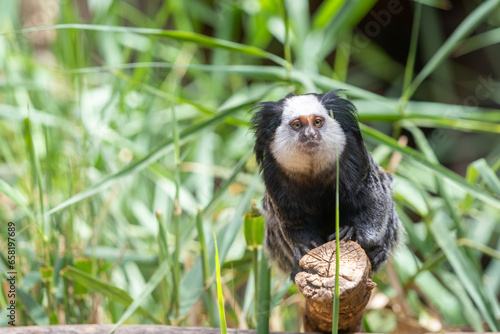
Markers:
point(264, 123)
point(332, 102)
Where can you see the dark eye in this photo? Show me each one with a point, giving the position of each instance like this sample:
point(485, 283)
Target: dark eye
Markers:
point(296, 125)
point(318, 122)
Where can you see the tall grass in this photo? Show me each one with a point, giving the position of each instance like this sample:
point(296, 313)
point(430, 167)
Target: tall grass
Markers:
point(119, 119)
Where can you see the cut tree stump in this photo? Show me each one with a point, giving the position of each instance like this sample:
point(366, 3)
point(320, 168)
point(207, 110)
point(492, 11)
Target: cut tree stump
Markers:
point(317, 284)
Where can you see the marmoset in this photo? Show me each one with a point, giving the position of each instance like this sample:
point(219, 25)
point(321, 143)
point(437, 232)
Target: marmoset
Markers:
point(298, 140)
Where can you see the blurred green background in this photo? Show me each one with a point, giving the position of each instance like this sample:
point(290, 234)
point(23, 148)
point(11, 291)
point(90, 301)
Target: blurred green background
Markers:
point(124, 145)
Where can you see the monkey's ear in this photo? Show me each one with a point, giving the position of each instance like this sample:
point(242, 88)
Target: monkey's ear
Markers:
point(264, 122)
point(331, 95)
point(340, 107)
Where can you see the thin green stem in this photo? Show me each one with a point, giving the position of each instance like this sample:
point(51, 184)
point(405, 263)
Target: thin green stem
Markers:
point(205, 267)
point(287, 44)
point(336, 299)
point(463, 30)
point(222, 313)
point(163, 256)
point(37, 175)
point(410, 62)
point(176, 260)
point(264, 308)
point(255, 260)
point(177, 209)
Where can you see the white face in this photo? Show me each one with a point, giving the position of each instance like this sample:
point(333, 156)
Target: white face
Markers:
point(307, 139)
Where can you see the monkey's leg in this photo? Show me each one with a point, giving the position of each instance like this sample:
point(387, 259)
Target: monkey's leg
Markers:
point(378, 256)
point(277, 246)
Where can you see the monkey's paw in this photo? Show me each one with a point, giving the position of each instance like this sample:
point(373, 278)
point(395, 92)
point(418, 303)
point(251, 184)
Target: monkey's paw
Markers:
point(302, 249)
point(346, 233)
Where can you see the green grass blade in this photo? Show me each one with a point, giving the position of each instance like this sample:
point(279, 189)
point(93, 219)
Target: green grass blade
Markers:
point(336, 299)
point(464, 270)
point(163, 256)
point(488, 175)
point(441, 4)
point(349, 15)
point(380, 138)
point(137, 165)
point(176, 213)
point(464, 29)
point(183, 36)
point(222, 312)
point(254, 229)
point(469, 310)
point(327, 84)
point(37, 177)
point(410, 62)
point(191, 283)
point(342, 57)
point(478, 41)
point(326, 12)
point(206, 268)
point(493, 253)
point(35, 116)
point(153, 282)
point(382, 111)
point(224, 186)
point(287, 50)
point(34, 309)
point(270, 73)
point(16, 197)
point(456, 124)
point(112, 292)
point(425, 147)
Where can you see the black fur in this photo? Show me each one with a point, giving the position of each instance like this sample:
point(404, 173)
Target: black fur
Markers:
point(300, 211)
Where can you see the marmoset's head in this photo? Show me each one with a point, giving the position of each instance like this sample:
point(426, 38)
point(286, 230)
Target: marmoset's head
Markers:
point(306, 133)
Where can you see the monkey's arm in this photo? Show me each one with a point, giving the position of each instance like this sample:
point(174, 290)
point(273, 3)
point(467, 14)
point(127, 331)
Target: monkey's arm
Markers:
point(375, 225)
point(286, 242)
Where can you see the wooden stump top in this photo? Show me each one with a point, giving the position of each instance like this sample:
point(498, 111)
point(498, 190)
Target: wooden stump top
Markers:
point(317, 284)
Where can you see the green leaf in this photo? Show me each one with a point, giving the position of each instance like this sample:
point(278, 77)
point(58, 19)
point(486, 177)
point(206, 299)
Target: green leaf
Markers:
point(456, 124)
point(153, 282)
point(472, 176)
point(112, 292)
point(35, 310)
point(192, 282)
point(137, 165)
point(464, 270)
point(441, 4)
point(183, 36)
point(464, 29)
point(222, 312)
point(83, 264)
point(478, 41)
point(408, 193)
point(488, 175)
point(16, 197)
point(326, 12)
point(412, 52)
point(380, 138)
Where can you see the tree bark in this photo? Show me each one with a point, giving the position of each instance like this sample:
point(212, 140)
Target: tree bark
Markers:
point(317, 283)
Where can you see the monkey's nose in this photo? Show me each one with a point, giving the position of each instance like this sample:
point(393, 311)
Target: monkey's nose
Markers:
point(308, 134)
